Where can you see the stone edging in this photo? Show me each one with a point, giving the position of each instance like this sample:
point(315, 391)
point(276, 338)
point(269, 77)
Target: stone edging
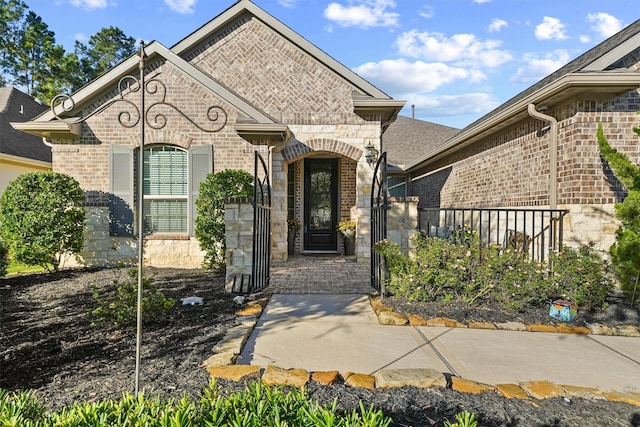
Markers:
point(386, 316)
point(222, 365)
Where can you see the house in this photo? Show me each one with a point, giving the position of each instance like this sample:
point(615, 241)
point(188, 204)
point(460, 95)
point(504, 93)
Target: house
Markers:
point(19, 152)
point(539, 150)
point(242, 83)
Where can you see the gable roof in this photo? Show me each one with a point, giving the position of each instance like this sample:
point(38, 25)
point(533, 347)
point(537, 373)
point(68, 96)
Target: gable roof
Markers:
point(17, 106)
point(598, 71)
point(362, 87)
point(253, 124)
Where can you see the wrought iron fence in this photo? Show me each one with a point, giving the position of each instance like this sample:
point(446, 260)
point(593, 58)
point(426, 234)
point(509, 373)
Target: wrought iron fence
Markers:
point(533, 232)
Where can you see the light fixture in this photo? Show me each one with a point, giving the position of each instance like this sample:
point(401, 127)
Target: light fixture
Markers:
point(371, 154)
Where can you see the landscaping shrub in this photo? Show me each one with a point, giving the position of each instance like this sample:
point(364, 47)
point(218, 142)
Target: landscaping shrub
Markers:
point(4, 258)
point(42, 219)
point(580, 275)
point(209, 223)
point(444, 270)
point(120, 306)
point(257, 406)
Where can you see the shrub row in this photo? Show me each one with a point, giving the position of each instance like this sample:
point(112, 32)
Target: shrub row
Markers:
point(257, 405)
point(442, 270)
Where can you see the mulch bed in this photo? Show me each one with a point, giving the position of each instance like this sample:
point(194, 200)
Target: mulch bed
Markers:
point(47, 344)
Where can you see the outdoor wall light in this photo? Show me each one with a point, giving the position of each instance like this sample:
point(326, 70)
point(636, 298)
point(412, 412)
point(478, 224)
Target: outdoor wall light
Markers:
point(370, 154)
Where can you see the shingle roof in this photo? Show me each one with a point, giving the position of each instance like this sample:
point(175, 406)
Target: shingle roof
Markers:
point(16, 106)
point(407, 139)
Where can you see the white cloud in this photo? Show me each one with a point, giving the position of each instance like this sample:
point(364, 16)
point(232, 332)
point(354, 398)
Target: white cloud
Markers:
point(451, 105)
point(462, 49)
point(427, 12)
point(181, 6)
point(287, 3)
point(81, 37)
point(497, 25)
point(481, 1)
point(604, 24)
point(536, 67)
point(401, 76)
point(90, 4)
point(585, 39)
point(550, 28)
point(366, 13)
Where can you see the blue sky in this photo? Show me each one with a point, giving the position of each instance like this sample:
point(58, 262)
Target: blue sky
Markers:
point(455, 60)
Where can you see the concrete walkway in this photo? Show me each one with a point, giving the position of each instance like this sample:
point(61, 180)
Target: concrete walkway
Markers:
point(341, 332)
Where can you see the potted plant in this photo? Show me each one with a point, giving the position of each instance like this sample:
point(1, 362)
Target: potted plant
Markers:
point(293, 225)
point(348, 231)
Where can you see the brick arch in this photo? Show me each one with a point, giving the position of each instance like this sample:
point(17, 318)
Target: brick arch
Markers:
point(297, 149)
point(167, 137)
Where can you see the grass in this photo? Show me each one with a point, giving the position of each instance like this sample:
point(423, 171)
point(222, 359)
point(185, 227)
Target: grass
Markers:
point(19, 268)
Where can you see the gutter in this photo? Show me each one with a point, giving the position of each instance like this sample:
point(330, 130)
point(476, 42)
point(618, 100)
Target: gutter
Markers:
point(553, 153)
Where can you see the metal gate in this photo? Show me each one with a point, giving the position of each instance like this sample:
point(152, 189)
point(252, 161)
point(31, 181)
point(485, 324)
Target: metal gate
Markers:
point(261, 226)
point(379, 207)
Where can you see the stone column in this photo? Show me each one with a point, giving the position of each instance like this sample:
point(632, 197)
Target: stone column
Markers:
point(238, 217)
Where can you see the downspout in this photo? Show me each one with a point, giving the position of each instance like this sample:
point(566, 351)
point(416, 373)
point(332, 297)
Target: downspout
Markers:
point(553, 153)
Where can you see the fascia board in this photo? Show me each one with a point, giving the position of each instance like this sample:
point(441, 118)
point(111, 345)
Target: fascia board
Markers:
point(24, 161)
point(614, 55)
point(611, 81)
point(242, 6)
point(52, 129)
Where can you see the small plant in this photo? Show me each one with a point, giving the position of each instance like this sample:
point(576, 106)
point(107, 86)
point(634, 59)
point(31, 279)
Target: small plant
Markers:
point(119, 307)
point(463, 419)
point(293, 224)
point(582, 276)
point(256, 406)
point(347, 227)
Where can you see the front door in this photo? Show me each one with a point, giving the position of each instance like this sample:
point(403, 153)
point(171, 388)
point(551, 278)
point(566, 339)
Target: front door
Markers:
point(321, 204)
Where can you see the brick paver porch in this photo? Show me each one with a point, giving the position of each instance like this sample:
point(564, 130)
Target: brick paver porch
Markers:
point(322, 274)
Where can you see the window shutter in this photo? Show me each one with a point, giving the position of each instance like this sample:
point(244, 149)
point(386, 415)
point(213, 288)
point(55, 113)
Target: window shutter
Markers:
point(200, 165)
point(121, 195)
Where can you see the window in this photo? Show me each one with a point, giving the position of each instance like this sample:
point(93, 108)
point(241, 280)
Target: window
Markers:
point(166, 189)
point(397, 186)
point(171, 186)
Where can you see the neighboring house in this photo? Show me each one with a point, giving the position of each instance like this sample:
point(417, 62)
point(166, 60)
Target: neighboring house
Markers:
point(19, 152)
point(311, 118)
point(539, 149)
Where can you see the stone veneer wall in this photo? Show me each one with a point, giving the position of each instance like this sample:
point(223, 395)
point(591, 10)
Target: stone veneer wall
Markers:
point(402, 221)
point(238, 217)
point(512, 169)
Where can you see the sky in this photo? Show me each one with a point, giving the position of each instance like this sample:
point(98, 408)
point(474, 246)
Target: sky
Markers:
point(454, 60)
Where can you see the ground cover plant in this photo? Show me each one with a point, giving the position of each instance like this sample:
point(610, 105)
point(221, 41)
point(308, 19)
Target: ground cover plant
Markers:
point(255, 406)
point(48, 346)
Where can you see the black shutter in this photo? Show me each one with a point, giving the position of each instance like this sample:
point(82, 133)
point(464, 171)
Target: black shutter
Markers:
point(200, 165)
point(121, 193)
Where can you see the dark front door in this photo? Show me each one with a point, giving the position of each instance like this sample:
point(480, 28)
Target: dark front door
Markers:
point(321, 204)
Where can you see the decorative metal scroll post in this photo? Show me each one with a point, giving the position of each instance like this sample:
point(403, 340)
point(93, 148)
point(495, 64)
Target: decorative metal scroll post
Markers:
point(155, 120)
